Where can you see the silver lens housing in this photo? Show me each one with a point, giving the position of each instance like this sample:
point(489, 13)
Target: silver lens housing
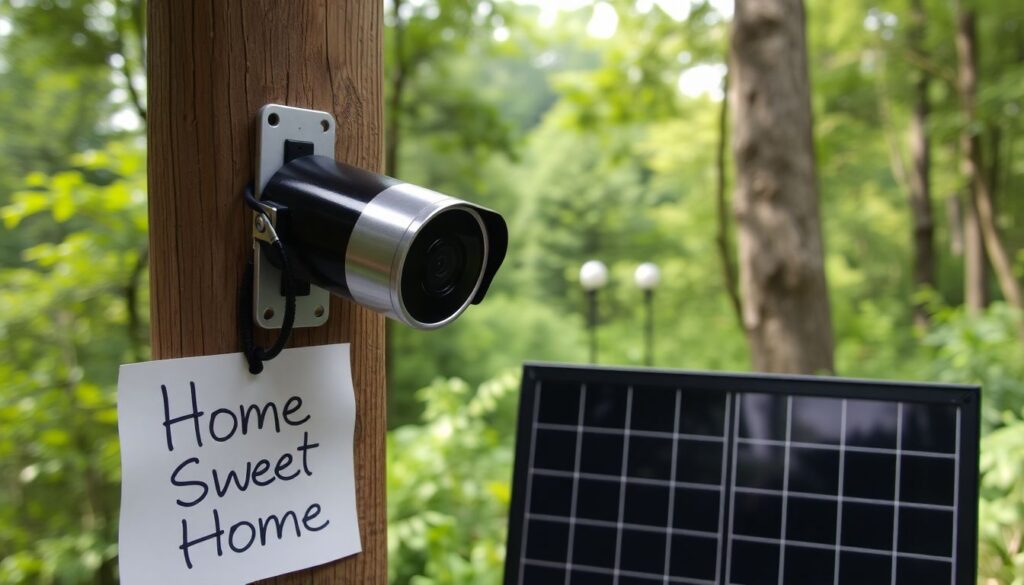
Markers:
point(381, 240)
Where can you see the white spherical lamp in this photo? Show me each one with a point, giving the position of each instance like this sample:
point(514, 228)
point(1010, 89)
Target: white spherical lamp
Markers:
point(593, 275)
point(647, 276)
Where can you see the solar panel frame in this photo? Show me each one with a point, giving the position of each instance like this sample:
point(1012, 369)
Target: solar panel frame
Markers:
point(966, 398)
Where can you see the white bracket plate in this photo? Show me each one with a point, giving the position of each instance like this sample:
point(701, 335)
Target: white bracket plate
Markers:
point(276, 124)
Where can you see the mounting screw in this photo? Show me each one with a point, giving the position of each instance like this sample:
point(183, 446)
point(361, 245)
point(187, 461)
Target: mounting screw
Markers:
point(318, 311)
point(268, 314)
point(261, 226)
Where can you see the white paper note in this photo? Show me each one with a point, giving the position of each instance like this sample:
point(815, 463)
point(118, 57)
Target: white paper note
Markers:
point(274, 469)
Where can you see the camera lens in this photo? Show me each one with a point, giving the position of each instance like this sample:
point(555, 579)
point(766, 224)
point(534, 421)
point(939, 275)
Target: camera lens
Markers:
point(443, 267)
point(446, 260)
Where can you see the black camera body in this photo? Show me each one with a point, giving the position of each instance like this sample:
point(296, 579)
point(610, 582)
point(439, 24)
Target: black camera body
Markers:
point(413, 254)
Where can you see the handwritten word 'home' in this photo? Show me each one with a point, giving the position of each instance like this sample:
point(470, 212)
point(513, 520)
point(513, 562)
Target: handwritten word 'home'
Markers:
point(222, 425)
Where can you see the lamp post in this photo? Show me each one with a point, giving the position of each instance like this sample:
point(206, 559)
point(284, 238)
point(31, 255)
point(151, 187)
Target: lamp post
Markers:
point(647, 277)
point(593, 277)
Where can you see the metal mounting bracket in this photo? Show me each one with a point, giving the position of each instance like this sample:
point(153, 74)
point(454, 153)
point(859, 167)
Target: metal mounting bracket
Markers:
point(276, 124)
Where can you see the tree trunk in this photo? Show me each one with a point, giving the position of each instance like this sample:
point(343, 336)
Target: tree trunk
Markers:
point(212, 66)
point(955, 223)
point(782, 277)
point(978, 186)
point(397, 93)
point(975, 267)
point(722, 239)
point(920, 181)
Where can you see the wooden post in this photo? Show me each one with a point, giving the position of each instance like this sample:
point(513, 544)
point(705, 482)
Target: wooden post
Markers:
point(212, 65)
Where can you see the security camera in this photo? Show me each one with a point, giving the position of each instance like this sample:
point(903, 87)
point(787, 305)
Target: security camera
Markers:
point(412, 254)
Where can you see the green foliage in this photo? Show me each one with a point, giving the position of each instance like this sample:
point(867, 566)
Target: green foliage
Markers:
point(68, 315)
point(1001, 558)
point(448, 485)
point(981, 350)
point(499, 334)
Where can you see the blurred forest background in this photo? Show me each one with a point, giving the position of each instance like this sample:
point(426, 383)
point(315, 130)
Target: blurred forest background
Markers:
point(600, 130)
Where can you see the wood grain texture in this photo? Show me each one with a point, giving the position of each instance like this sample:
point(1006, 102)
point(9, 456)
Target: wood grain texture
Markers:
point(212, 65)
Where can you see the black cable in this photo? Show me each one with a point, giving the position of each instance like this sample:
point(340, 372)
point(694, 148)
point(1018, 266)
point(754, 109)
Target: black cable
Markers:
point(254, 354)
point(251, 200)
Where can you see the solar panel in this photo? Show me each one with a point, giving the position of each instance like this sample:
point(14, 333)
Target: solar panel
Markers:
point(637, 477)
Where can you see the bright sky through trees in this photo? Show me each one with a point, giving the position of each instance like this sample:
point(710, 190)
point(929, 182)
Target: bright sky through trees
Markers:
point(701, 79)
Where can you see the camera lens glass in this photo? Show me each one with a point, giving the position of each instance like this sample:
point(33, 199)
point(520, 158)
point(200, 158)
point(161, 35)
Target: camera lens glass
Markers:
point(446, 260)
point(443, 266)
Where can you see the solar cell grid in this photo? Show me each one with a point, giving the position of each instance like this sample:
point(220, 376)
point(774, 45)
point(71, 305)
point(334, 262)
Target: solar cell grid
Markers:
point(638, 477)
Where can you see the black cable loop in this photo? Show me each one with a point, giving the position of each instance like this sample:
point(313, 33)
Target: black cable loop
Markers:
point(254, 354)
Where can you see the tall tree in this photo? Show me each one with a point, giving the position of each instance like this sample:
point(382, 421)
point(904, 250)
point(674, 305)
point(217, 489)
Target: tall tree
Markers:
point(979, 189)
point(975, 267)
point(722, 239)
point(782, 278)
point(426, 94)
point(396, 95)
point(919, 177)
